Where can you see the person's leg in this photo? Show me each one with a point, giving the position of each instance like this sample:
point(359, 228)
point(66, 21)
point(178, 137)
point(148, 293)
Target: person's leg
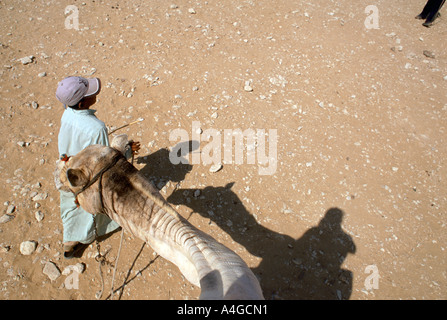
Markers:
point(77, 223)
point(434, 12)
point(427, 9)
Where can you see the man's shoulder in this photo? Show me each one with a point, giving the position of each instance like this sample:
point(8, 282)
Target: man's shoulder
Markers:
point(83, 118)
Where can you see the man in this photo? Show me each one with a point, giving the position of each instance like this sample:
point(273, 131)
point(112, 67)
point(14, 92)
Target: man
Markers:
point(79, 129)
point(430, 12)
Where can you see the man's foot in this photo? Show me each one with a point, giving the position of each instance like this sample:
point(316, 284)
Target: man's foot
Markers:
point(71, 248)
point(421, 17)
point(429, 22)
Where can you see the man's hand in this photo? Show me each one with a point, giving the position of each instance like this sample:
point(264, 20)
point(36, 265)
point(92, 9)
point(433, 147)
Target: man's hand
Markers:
point(135, 146)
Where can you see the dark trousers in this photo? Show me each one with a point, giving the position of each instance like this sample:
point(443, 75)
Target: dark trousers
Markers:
point(431, 9)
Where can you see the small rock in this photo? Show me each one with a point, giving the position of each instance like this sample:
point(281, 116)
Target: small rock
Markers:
point(429, 54)
point(28, 247)
point(195, 88)
point(78, 267)
point(216, 167)
point(196, 193)
point(42, 74)
point(35, 105)
point(247, 86)
point(11, 208)
point(39, 215)
point(52, 271)
point(26, 60)
point(214, 115)
point(4, 248)
point(6, 218)
point(192, 11)
point(40, 196)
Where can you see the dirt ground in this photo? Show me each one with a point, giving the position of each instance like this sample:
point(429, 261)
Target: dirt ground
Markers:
point(355, 205)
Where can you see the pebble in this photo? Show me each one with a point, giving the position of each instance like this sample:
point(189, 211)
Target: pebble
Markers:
point(78, 267)
point(40, 196)
point(28, 247)
point(51, 270)
point(11, 208)
point(39, 215)
point(248, 87)
point(216, 167)
point(42, 74)
point(6, 218)
point(26, 60)
point(429, 54)
point(4, 248)
point(35, 105)
point(22, 143)
point(192, 11)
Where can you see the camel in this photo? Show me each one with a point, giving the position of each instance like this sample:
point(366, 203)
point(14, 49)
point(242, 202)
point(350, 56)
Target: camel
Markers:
point(106, 183)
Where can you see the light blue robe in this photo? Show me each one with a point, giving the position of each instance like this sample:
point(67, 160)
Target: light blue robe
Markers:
point(79, 129)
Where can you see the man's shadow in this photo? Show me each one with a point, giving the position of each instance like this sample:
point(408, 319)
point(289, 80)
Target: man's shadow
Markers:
point(159, 168)
point(304, 268)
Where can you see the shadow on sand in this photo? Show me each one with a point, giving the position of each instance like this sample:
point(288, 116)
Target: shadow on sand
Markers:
point(304, 268)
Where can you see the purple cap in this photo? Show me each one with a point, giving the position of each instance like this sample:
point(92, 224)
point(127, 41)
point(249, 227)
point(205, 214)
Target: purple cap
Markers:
point(71, 90)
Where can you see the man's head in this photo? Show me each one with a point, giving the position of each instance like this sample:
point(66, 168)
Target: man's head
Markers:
point(72, 90)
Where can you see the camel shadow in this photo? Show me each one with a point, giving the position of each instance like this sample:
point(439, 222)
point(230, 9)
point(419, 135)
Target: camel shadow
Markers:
point(304, 268)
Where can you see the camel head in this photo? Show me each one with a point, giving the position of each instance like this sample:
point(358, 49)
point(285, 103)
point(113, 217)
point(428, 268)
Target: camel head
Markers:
point(83, 170)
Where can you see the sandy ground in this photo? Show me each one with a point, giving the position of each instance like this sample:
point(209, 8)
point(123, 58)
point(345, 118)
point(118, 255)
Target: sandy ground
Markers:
point(355, 206)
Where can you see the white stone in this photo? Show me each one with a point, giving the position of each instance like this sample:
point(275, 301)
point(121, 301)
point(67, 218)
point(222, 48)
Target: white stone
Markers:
point(26, 60)
point(28, 247)
point(52, 271)
point(40, 196)
point(6, 218)
point(216, 167)
point(39, 215)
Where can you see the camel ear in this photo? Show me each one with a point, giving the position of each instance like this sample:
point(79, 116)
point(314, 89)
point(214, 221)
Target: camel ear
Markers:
point(229, 185)
point(76, 177)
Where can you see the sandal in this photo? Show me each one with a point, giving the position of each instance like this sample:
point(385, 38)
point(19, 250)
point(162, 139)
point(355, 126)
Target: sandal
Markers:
point(71, 251)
